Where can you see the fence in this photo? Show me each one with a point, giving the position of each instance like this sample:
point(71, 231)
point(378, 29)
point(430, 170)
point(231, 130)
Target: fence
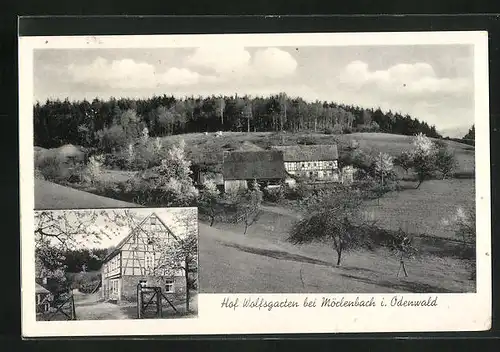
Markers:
point(64, 308)
point(151, 297)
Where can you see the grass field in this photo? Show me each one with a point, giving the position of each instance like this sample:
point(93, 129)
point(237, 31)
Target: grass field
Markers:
point(263, 261)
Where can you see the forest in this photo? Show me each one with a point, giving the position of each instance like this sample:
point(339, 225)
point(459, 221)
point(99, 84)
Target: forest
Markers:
point(99, 122)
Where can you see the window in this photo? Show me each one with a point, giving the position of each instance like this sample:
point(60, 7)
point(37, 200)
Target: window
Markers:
point(169, 285)
point(149, 261)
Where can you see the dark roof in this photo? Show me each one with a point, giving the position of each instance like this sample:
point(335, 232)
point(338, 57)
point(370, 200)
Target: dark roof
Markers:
point(40, 289)
point(132, 233)
point(267, 164)
point(308, 152)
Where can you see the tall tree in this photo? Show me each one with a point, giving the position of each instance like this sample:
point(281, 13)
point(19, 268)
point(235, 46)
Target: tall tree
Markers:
point(247, 113)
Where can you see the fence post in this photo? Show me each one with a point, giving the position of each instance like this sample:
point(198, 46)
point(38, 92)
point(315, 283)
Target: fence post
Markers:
point(73, 310)
point(159, 305)
point(139, 302)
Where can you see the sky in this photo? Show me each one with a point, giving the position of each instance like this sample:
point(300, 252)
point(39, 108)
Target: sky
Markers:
point(172, 217)
point(434, 83)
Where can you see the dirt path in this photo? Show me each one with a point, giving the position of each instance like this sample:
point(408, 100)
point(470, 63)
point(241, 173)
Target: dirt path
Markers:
point(89, 307)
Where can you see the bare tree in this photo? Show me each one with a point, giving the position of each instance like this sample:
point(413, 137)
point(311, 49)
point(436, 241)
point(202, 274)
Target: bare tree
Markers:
point(209, 201)
point(332, 217)
point(401, 243)
point(248, 206)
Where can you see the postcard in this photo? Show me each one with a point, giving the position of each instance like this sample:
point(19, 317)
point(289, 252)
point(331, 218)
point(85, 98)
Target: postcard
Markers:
point(255, 183)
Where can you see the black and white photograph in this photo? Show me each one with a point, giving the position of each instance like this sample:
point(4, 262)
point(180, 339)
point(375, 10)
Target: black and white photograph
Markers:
point(110, 264)
point(316, 166)
point(362, 182)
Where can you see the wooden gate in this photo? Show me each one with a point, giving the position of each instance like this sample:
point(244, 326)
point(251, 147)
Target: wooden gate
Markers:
point(64, 305)
point(150, 302)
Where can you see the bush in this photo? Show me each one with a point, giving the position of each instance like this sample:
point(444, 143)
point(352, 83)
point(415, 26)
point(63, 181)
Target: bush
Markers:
point(52, 169)
point(88, 287)
point(307, 140)
point(337, 129)
point(300, 191)
point(333, 130)
point(274, 194)
point(372, 127)
point(38, 174)
point(346, 130)
point(112, 138)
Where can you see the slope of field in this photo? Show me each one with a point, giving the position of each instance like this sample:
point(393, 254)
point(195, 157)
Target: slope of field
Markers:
point(260, 263)
point(234, 263)
point(424, 210)
point(207, 147)
point(49, 195)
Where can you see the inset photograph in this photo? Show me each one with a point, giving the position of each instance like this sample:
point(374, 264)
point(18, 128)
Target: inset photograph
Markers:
point(114, 264)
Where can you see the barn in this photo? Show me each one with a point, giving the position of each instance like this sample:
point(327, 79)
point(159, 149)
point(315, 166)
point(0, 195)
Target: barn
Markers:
point(241, 167)
point(311, 162)
point(137, 258)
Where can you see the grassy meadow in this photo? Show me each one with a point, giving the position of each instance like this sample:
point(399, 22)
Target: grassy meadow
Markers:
point(264, 261)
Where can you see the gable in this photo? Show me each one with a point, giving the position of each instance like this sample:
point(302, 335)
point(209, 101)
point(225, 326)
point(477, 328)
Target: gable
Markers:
point(150, 229)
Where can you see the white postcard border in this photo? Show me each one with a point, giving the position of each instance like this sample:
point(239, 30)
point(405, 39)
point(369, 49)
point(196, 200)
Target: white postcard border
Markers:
point(455, 312)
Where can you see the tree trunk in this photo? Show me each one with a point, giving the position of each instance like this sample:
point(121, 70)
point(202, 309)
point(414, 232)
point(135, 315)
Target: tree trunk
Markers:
point(212, 220)
point(246, 228)
point(248, 124)
point(339, 256)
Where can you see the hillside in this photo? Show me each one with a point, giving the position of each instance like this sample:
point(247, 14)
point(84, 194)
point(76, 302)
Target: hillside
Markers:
point(260, 263)
point(49, 195)
point(202, 147)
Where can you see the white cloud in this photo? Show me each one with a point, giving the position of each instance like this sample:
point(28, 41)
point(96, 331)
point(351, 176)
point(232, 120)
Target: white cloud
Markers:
point(231, 63)
point(222, 59)
point(274, 63)
point(402, 79)
point(129, 74)
point(415, 89)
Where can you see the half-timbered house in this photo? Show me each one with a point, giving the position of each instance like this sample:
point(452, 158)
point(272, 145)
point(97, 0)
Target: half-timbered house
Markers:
point(139, 257)
point(311, 162)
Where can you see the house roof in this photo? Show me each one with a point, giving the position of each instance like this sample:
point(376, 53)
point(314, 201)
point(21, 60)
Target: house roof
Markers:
point(266, 164)
point(308, 152)
point(132, 233)
point(40, 289)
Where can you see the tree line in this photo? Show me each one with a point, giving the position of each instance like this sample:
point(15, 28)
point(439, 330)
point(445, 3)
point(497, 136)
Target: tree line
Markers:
point(89, 123)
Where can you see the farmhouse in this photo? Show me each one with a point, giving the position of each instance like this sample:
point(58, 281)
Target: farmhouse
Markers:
point(137, 258)
point(240, 168)
point(314, 162)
